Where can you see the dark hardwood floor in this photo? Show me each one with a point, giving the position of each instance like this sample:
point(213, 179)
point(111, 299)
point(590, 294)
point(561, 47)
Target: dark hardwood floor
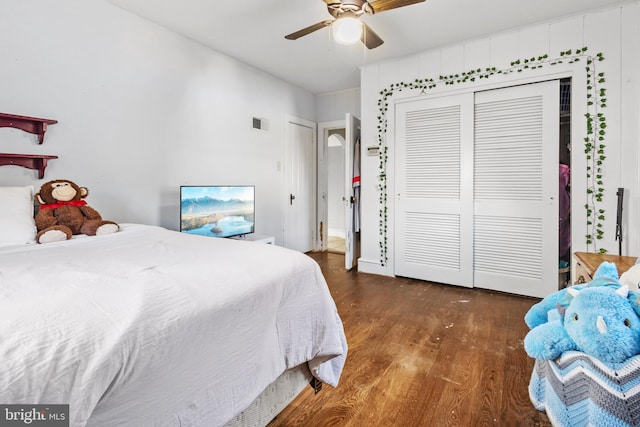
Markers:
point(422, 354)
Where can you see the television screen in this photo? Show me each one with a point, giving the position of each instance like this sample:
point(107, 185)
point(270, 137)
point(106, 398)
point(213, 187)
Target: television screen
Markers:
point(217, 211)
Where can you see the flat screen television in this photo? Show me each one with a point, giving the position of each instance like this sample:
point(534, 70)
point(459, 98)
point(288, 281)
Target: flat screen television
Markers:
point(217, 211)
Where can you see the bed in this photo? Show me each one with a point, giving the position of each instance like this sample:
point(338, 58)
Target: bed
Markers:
point(149, 326)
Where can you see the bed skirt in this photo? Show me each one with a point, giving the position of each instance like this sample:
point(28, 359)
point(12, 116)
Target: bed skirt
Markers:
point(578, 390)
point(274, 398)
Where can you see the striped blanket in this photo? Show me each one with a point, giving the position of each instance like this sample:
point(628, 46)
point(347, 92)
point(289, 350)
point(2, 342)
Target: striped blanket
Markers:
point(578, 390)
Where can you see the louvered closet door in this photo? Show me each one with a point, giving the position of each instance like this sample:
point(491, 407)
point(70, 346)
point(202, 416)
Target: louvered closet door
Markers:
point(433, 205)
point(516, 189)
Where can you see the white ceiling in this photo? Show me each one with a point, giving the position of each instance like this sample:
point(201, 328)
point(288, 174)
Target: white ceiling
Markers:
point(253, 31)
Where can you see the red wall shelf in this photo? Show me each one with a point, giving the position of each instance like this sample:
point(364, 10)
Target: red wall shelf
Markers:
point(28, 124)
point(33, 125)
point(30, 161)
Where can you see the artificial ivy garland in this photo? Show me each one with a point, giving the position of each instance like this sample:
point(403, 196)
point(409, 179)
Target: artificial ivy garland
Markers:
point(594, 139)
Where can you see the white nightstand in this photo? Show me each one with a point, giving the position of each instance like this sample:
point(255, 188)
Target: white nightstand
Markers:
point(259, 238)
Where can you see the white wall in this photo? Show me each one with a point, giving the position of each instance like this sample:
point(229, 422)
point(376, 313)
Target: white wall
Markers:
point(141, 111)
point(335, 105)
point(614, 32)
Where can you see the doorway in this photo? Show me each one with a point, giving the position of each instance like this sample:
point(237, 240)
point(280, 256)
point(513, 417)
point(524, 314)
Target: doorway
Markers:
point(335, 190)
point(338, 188)
point(564, 195)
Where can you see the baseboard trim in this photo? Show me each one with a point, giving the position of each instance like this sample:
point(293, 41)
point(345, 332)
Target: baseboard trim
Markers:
point(373, 267)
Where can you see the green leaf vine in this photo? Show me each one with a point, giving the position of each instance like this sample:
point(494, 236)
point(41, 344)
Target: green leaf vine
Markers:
point(594, 140)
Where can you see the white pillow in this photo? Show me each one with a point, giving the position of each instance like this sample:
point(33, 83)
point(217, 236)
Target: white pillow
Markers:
point(17, 225)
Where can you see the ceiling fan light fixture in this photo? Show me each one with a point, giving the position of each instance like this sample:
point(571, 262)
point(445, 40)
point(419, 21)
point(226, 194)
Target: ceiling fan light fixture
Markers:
point(346, 30)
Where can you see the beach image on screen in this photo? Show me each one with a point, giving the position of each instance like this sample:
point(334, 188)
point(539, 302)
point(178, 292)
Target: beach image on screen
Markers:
point(217, 211)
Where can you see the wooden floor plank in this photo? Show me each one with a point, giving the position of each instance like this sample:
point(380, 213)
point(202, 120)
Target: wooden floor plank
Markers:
point(422, 354)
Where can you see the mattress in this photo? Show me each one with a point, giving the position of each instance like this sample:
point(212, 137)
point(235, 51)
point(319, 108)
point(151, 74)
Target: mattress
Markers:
point(153, 327)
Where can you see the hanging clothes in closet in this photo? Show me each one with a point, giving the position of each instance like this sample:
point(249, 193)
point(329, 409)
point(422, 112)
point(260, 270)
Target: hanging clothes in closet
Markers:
point(356, 186)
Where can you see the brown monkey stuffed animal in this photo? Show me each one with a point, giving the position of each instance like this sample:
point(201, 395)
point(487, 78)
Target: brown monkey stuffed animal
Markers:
point(63, 213)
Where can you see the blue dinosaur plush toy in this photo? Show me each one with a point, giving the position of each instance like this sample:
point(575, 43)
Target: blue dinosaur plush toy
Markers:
point(599, 318)
point(605, 275)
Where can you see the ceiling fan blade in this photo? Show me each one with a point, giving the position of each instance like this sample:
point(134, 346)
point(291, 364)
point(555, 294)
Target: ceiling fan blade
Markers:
point(308, 30)
point(384, 5)
point(370, 39)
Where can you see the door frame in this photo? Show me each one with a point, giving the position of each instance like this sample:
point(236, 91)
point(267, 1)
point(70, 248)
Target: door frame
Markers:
point(323, 180)
point(322, 234)
point(286, 221)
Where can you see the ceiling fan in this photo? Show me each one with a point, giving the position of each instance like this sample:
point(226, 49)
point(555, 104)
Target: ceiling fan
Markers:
point(345, 10)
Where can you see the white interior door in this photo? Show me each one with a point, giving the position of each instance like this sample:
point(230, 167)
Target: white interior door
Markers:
point(434, 189)
point(351, 194)
point(300, 184)
point(516, 189)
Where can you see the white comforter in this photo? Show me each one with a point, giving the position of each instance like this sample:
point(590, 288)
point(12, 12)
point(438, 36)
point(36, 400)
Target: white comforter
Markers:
point(154, 327)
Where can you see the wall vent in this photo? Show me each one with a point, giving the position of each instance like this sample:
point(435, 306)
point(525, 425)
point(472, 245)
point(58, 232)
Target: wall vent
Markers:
point(259, 123)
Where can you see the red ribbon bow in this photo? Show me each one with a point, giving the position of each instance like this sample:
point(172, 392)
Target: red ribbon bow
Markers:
point(60, 204)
